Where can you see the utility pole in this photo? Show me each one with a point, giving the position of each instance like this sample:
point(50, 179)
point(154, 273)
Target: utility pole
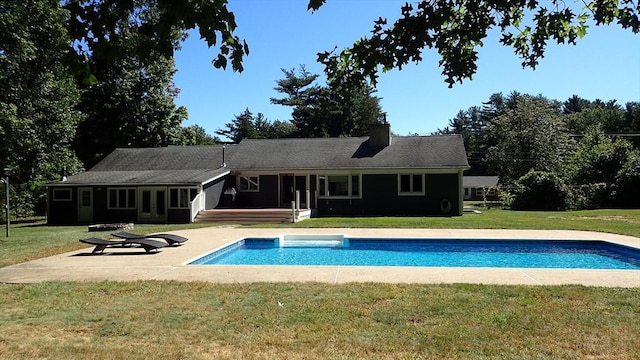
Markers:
point(7, 172)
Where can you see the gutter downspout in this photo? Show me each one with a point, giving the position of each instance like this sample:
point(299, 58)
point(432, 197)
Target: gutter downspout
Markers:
point(461, 190)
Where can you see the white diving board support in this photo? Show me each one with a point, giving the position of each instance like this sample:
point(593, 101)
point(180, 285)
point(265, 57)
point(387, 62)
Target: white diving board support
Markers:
point(300, 240)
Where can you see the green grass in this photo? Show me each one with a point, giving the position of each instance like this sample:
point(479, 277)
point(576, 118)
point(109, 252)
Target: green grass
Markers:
point(193, 320)
point(172, 320)
point(34, 240)
point(625, 222)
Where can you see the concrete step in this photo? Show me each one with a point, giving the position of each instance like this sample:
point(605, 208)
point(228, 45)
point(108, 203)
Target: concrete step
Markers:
point(248, 216)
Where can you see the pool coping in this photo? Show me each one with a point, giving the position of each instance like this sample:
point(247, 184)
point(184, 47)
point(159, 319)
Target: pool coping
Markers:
point(126, 264)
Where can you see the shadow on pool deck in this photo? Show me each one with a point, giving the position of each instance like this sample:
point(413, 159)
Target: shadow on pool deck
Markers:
point(170, 263)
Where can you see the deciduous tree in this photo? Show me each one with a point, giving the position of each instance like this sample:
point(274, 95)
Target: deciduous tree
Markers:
point(454, 28)
point(95, 24)
point(610, 116)
point(457, 28)
point(470, 124)
point(37, 99)
point(194, 135)
point(598, 158)
point(132, 103)
point(627, 182)
point(530, 136)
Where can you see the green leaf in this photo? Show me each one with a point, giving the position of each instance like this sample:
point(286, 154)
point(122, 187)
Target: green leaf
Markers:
point(220, 62)
point(582, 31)
point(315, 4)
point(89, 80)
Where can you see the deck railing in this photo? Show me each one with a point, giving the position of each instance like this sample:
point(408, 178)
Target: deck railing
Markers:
point(196, 205)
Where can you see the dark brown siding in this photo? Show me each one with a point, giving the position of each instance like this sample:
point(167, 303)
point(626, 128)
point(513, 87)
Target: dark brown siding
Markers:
point(101, 214)
point(213, 193)
point(178, 216)
point(267, 197)
point(63, 212)
point(444, 187)
point(380, 198)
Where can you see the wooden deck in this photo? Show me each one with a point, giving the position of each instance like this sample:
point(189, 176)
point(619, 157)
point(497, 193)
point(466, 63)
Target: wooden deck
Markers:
point(252, 216)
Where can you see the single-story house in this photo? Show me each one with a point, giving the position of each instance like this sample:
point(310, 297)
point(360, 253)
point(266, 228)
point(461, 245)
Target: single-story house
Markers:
point(348, 176)
point(149, 185)
point(480, 188)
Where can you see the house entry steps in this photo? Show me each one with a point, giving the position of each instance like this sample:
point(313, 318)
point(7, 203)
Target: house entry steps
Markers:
point(251, 216)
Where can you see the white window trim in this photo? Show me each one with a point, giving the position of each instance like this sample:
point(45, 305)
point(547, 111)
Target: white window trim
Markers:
point(412, 193)
point(349, 176)
point(68, 191)
point(188, 188)
point(248, 177)
point(135, 198)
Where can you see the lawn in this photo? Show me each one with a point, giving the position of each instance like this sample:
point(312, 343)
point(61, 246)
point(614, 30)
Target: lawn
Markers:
point(171, 320)
point(625, 222)
point(34, 239)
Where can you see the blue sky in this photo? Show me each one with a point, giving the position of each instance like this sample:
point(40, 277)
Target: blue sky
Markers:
point(282, 34)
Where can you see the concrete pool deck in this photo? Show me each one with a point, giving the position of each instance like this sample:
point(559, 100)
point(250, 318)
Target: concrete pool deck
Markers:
point(128, 264)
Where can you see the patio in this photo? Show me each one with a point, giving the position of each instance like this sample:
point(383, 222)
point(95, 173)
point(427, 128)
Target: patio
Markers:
point(125, 264)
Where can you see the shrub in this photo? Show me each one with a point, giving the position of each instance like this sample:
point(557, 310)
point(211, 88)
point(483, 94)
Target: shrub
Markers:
point(506, 196)
point(589, 196)
point(540, 190)
point(626, 189)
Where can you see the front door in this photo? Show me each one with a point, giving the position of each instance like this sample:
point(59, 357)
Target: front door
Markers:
point(286, 190)
point(289, 185)
point(301, 185)
point(85, 205)
point(152, 205)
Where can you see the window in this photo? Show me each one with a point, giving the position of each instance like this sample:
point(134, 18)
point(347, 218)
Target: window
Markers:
point(411, 184)
point(180, 198)
point(122, 198)
point(85, 198)
point(355, 185)
point(338, 185)
point(343, 186)
point(248, 183)
point(61, 194)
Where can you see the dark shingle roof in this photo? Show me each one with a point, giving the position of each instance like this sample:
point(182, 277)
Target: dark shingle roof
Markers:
point(164, 165)
point(442, 151)
point(164, 158)
point(200, 164)
point(144, 177)
point(479, 181)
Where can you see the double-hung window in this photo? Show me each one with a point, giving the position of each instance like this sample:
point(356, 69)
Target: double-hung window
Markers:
point(411, 184)
point(180, 198)
point(121, 198)
point(249, 183)
point(339, 186)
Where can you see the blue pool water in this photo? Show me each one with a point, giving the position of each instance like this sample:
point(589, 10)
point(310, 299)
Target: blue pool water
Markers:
point(428, 252)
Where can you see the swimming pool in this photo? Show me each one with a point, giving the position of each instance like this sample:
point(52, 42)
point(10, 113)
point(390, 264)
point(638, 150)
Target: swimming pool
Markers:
point(337, 250)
